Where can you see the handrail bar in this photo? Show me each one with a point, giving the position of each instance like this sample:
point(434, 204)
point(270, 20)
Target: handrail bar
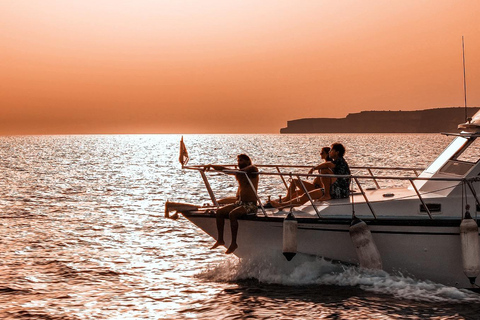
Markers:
point(360, 176)
point(209, 188)
point(365, 197)
point(255, 191)
point(212, 195)
point(283, 179)
point(468, 181)
point(421, 199)
point(346, 176)
point(374, 180)
point(310, 166)
point(308, 195)
point(472, 189)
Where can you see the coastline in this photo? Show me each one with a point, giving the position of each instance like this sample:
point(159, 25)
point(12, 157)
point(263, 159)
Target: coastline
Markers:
point(419, 121)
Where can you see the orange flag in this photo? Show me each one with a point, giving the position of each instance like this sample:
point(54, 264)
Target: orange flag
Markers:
point(183, 158)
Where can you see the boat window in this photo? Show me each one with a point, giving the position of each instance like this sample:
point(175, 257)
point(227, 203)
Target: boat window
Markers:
point(448, 153)
point(433, 207)
point(459, 168)
point(471, 153)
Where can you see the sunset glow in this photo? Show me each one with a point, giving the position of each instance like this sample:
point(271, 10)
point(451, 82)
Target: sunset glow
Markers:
point(227, 66)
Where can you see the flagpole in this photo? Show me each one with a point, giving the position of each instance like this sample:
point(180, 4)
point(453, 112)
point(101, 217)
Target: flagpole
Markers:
point(464, 81)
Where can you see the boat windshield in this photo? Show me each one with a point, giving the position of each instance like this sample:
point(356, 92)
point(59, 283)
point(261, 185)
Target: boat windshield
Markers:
point(459, 157)
point(470, 154)
point(447, 154)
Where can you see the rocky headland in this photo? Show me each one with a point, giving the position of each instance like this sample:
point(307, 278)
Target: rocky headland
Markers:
point(419, 121)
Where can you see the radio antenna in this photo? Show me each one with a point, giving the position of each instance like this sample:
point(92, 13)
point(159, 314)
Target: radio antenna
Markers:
point(464, 81)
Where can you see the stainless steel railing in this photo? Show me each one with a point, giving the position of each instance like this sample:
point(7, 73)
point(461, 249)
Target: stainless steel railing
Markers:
point(354, 177)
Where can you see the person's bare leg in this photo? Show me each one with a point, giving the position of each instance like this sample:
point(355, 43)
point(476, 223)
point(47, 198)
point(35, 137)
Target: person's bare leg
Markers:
point(234, 215)
point(220, 217)
point(327, 182)
point(294, 193)
point(227, 200)
point(314, 194)
point(290, 192)
point(308, 185)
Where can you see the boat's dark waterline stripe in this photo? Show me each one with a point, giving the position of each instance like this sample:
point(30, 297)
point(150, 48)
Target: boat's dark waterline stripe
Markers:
point(387, 232)
point(347, 221)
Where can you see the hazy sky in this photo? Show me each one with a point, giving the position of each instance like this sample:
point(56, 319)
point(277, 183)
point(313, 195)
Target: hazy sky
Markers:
point(103, 66)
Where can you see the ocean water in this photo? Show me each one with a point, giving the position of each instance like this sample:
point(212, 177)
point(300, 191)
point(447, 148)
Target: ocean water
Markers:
point(83, 234)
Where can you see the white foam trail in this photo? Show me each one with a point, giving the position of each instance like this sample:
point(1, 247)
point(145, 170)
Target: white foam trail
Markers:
point(399, 286)
point(307, 270)
point(273, 270)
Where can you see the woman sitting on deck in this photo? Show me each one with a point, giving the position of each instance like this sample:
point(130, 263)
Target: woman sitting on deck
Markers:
point(295, 188)
point(333, 188)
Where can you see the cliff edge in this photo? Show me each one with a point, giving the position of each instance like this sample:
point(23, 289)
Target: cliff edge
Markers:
point(419, 121)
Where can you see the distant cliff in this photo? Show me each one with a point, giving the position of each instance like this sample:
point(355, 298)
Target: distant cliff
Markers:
point(420, 121)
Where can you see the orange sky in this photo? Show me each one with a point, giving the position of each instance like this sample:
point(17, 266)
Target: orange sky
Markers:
point(114, 66)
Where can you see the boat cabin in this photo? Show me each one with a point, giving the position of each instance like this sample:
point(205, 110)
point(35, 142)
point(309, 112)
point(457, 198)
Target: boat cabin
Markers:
point(460, 160)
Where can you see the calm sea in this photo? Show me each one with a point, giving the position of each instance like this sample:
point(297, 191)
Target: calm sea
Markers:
point(83, 234)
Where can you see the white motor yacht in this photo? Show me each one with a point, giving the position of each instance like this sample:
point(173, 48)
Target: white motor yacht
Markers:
point(427, 230)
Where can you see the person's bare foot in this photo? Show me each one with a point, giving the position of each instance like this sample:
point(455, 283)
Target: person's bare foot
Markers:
point(167, 209)
point(232, 248)
point(325, 198)
point(218, 244)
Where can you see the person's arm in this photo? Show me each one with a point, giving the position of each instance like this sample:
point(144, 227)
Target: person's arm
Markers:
point(250, 169)
point(325, 165)
point(214, 167)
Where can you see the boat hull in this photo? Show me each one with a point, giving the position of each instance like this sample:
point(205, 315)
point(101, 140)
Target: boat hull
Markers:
point(426, 250)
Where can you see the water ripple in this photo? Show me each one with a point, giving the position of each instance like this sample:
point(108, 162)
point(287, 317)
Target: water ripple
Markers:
point(83, 234)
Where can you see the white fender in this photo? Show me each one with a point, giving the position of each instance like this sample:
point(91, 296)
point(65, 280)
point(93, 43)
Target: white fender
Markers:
point(290, 236)
point(367, 252)
point(470, 247)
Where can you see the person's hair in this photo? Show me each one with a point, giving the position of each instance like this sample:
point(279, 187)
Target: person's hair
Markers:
point(339, 148)
point(327, 150)
point(244, 157)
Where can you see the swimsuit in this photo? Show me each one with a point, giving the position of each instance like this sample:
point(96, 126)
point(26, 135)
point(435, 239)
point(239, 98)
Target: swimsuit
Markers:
point(250, 206)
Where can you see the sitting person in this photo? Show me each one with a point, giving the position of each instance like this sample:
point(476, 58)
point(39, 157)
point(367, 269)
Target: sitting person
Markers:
point(295, 189)
point(334, 188)
point(340, 188)
point(244, 203)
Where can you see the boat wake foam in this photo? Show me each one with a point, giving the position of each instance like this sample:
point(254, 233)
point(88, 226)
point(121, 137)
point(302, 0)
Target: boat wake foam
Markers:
point(308, 270)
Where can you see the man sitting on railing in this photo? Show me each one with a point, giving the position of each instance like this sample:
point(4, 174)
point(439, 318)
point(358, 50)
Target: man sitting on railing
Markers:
point(246, 200)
